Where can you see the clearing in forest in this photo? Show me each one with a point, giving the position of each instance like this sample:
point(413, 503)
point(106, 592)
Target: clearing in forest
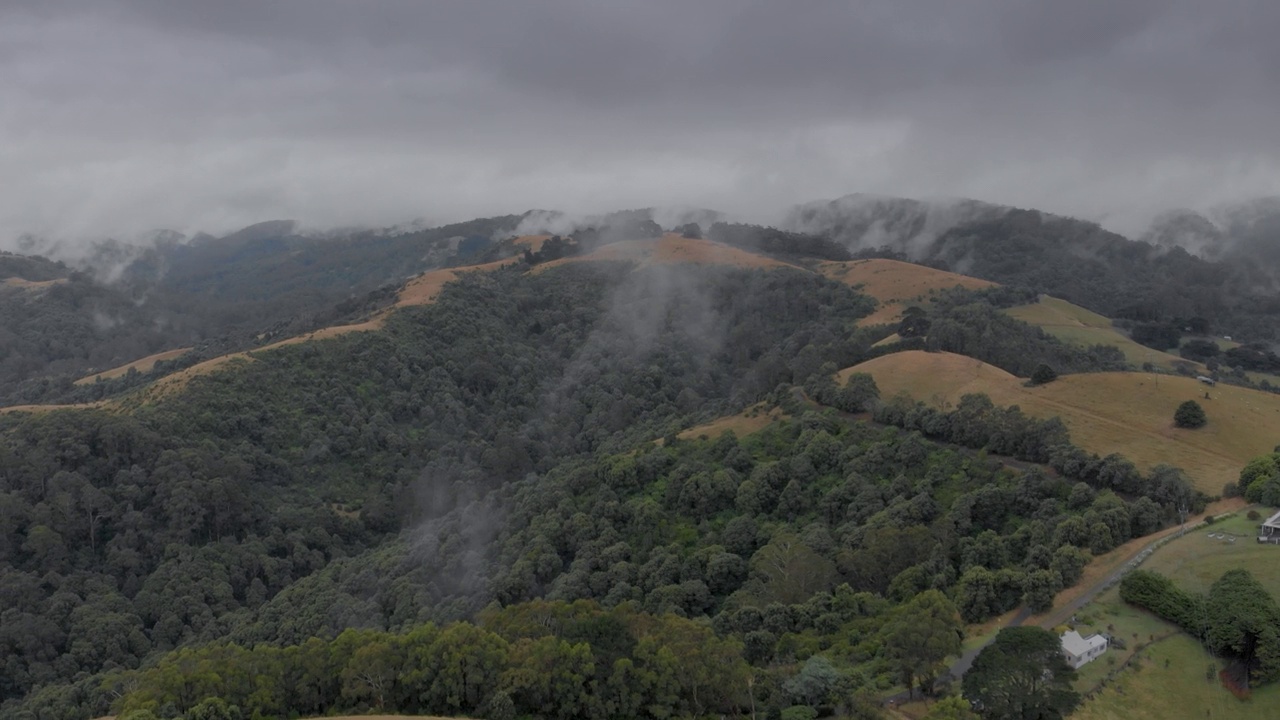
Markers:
point(1075, 325)
point(18, 282)
point(670, 249)
point(1126, 413)
point(896, 284)
point(533, 242)
point(752, 420)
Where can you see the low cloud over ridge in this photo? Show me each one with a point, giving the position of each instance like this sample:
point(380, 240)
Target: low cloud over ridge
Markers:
point(122, 116)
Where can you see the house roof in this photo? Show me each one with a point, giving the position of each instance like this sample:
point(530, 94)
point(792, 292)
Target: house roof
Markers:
point(1076, 645)
point(1273, 521)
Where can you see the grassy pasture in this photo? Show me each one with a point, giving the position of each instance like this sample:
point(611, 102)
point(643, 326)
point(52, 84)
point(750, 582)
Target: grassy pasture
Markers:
point(1196, 560)
point(1128, 413)
point(1075, 325)
point(1169, 679)
point(896, 284)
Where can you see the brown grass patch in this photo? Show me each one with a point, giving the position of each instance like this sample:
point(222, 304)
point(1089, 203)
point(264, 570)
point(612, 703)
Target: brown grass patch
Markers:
point(176, 382)
point(424, 289)
point(50, 408)
point(24, 283)
point(533, 242)
point(896, 284)
point(752, 420)
point(670, 249)
point(142, 365)
point(1126, 413)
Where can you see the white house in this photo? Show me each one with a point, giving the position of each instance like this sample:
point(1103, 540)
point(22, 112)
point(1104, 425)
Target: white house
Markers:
point(1080, 650)
point(1269, 531)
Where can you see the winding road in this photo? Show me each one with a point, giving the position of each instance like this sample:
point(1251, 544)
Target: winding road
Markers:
point(1059, 615)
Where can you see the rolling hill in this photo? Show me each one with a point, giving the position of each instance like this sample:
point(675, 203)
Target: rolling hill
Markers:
point(1126, 413)
point(1075, 325)
point(896, 284)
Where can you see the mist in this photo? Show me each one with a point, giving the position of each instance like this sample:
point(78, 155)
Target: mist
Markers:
point(122, 117)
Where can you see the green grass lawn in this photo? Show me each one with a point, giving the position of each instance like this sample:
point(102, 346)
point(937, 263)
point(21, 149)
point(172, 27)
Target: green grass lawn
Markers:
point(1194, 562)
point(1168, 682)
point(1167, 679)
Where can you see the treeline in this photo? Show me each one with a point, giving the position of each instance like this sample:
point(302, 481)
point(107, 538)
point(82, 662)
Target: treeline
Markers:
point(780, 243)
point(1109, 274)
point(970, 323)
point(1259, 480)
point(544, 659)
point(1238, 619)
point(978, 423)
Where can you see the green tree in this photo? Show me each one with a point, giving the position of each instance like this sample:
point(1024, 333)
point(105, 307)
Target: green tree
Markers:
point(814, 685)
point(1022, 675)
point(1190, 415)
point(1043, 374)
point(1039, 589)
point(952, 708)
point(921, 636)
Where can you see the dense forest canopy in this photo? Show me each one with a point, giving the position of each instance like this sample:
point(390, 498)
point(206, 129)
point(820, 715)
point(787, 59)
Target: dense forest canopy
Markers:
point(497, 446)
point(498, 477)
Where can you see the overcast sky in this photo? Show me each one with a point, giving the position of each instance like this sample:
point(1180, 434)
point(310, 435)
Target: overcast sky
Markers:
point(119, 116)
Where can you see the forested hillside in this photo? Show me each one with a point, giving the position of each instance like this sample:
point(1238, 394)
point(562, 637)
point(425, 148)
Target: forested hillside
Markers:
point(497, 447)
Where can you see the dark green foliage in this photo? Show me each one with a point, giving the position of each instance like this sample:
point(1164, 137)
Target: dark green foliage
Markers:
point(1159, 336)
point(1190, 415)
point(1238, 618)
point(498, 446)
point(554, 248)
point(772, 241)
point(1260, 480)
point(1022, 675)
point(1043, 374)
point(1252, 356)
point(1199, 350)
point(968, 323)
point(1104, 272)
point(525, 659)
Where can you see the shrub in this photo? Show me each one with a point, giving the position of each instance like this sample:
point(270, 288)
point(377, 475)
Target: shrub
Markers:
point(1253, 515)
point(799, 712)
point(1189, 415)
point(1043, 374)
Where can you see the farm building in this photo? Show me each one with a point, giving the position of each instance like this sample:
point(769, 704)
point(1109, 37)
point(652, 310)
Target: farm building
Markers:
point(1206, 380)
point(1081, 650)
point(1269, 531)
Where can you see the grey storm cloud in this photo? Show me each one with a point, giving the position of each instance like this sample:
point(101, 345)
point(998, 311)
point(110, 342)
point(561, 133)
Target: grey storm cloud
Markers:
point(120, 116)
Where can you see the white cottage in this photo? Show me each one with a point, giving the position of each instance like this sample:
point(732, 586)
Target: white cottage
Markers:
point(1080, 650)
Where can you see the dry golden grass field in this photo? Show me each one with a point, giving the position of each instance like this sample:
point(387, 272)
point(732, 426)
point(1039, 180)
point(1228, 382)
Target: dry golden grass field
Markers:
point(1074, 325)
point(670, 249)
point(141, 365)
point(752, 420)
point(32, 284)
point(896, 284)
point(1127, 413)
